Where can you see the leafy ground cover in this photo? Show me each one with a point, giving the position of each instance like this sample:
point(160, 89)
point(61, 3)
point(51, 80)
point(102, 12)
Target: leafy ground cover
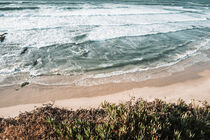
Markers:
point(131, 120)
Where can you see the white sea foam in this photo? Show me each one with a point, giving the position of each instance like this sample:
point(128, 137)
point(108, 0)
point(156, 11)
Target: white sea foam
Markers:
point(136, 30)
point(55, 25)
point(50, 25)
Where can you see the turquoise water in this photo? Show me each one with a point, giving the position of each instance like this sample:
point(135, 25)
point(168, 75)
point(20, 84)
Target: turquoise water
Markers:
point(63, 37)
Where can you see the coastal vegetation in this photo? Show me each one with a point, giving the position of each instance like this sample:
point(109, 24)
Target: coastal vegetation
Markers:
point(131, 120)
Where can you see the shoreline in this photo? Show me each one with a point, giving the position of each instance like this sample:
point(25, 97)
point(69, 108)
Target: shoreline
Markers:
point(192, 84)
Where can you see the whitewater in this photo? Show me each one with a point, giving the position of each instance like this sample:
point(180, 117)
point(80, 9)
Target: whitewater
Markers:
point(100, 39)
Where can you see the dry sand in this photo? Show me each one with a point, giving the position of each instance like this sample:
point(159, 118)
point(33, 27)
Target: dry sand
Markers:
point(192, 84)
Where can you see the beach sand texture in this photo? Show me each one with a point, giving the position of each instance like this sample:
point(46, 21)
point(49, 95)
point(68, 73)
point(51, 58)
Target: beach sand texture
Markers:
point(191, 85)
point(77, 54)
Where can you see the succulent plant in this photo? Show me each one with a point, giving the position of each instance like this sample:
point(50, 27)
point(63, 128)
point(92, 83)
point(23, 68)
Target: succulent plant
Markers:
point(132, 120)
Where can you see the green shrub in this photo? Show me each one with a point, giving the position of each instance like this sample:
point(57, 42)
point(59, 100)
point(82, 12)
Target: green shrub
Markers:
point(140, 120)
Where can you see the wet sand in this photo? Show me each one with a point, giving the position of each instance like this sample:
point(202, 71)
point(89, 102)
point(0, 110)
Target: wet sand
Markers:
point(192, 84)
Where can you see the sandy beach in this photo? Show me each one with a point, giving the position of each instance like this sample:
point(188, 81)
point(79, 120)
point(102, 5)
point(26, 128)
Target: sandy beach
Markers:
point(104, 69)
point(192, 85)
point(79, 54)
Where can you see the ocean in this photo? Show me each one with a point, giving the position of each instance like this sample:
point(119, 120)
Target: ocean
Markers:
point(100, 39)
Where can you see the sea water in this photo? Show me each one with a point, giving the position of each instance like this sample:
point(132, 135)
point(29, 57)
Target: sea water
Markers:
point(99, 38)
